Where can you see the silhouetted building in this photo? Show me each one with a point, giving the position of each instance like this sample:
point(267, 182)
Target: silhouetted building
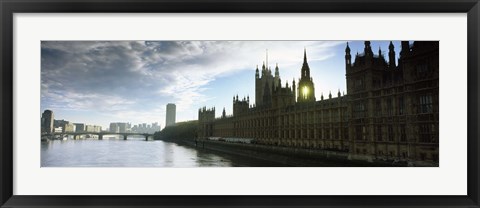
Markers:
point(390, 111)
point(171, 114)
point(47, 122)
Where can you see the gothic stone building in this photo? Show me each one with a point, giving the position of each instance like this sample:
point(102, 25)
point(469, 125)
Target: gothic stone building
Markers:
point(390, 111)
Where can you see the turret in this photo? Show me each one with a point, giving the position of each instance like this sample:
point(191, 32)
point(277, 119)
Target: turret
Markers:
point(294, 89)
point(405, 49)
point(257, 74)
point(277, 73)
point(348, 57)
point(391, 55)
point(368, 49)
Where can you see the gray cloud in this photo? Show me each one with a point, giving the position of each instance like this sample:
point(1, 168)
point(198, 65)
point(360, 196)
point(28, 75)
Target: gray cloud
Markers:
point(139, 76)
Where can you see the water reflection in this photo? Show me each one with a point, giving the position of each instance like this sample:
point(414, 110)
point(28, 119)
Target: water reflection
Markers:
point(134, 152)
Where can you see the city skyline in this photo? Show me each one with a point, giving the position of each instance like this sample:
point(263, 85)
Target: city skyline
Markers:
point(51, 124)
point(132, 81)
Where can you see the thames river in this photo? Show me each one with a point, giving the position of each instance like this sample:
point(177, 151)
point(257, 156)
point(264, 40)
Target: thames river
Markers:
point(134, 152)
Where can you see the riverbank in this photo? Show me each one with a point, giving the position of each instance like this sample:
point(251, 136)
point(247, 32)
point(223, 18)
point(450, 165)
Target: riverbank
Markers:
point(285, 156)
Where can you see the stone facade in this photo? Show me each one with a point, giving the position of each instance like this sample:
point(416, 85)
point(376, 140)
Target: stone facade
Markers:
point(390, 111)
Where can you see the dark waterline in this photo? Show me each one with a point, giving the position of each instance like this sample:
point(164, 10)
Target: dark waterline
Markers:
point(135, 152)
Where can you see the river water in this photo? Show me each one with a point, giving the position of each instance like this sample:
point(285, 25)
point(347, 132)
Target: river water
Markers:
point(134, 152)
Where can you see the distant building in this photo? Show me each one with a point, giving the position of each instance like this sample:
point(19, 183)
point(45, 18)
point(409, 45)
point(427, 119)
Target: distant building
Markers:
point(47, 122)
point(65, 125)
point(97, 128)
point(170, 118)
point(89, 128)
point(120, 127)
point(79, 127)
point(144, 128)
point(114, 128)
point(58, 130)
point(68, 127)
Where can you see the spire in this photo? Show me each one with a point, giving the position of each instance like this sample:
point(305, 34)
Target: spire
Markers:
point(379, 51)
point(330, 95)
point(390, 46)
point(277, 73)
point(266, 55)
point(348, 57)
point(321, 97)
point(391, 55)
point(305, 68)
point(257, 74)
point(339, 94)
point(368, 49)
point(304, 55)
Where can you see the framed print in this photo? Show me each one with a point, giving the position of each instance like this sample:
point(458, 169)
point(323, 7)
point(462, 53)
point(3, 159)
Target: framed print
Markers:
point(239, 104)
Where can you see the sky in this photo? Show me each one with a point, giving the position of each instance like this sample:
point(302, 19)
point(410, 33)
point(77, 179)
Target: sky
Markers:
point(99, 82)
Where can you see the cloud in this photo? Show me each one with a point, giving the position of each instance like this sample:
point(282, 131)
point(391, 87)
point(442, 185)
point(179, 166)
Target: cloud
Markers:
point(126, 78)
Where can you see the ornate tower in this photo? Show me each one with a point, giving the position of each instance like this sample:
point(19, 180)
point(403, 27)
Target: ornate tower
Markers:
point(266, 78)
point(391, 55)
point(348, 58)
point(306, 89)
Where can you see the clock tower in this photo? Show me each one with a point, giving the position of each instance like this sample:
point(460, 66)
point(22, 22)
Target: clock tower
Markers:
point(306, 89)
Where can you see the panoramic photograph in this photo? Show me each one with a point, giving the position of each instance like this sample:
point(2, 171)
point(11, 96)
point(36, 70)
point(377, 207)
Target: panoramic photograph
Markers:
point(195, 103)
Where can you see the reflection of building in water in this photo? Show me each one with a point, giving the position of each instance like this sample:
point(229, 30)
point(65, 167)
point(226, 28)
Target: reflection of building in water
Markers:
point(390, 111)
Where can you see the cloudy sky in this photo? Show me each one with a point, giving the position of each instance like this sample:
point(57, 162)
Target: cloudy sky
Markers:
point(98, 82)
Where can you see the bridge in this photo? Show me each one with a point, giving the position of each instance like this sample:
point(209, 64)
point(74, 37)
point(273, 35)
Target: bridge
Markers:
point(76, 135)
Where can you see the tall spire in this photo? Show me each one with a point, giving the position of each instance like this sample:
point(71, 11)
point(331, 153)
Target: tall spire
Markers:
point(305, 68)
point(305, 55)
point(277, 73)
point(266, 55)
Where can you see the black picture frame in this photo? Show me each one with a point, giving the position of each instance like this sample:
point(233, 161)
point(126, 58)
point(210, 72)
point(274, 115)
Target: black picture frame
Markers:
point(9, 7)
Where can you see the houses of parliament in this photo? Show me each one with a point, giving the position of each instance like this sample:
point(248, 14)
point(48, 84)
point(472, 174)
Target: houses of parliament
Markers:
point(390, 110)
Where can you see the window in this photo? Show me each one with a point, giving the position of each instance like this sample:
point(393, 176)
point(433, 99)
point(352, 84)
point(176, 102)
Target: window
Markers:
point(422, 70)
point(389, 107)
point(359, 83)
point(378, 107)
point(426, 103)
point(378, 133)
point(358, 133)
point(390, 133)
point(401, 106)
point(426, 133)
point(403, 136)
point(359, 110)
